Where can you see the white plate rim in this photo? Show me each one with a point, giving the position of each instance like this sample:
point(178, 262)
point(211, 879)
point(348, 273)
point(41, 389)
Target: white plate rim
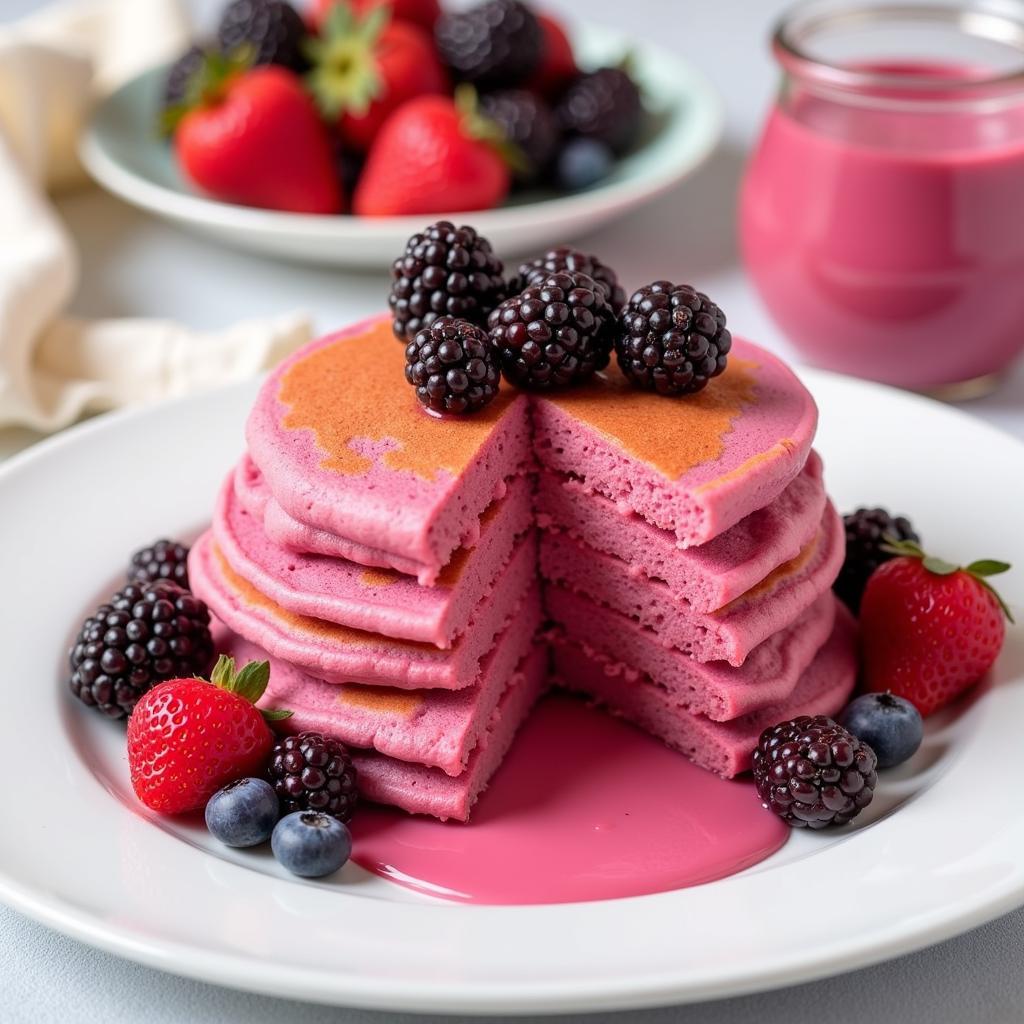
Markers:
point(605, 992)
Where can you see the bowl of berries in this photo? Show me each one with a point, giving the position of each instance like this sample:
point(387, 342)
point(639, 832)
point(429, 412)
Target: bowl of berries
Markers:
point(327, 134)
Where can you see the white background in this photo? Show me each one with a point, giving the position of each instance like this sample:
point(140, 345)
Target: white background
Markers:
point(134, 266)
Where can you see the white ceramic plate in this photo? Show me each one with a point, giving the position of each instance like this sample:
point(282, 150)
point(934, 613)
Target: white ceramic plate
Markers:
point(939, 851)
point(122, 152)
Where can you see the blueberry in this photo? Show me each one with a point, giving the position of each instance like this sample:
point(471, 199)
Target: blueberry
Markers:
point(311, 844)
point(243, 813)
point(582, 163)
point(890, 725)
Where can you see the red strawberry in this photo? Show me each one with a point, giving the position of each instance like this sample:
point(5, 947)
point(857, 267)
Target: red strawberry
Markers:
point(255, 138)
point(365, 68)
point(930, 629)
point(433, 156)
point(188, 737)
point(417, 12)
point(557, 64)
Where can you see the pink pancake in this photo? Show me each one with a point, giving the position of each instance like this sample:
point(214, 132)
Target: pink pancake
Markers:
point(713, 688)
point(345, 448)
point(255, 497)
point(696, 464)
point(421, 790)
point(722, 747)
point(375, 600)
point(706, 577)
point(438, 728)
point(730, 633)
point(340, 654)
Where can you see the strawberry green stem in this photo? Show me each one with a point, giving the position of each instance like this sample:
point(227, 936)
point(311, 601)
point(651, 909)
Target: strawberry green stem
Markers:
point(978, 570)
point(249, 683)
point(345, 76)
point(208, 85)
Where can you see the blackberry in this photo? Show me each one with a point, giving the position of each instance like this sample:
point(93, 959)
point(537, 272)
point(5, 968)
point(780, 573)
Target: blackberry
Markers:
point(180, 76)
point(144, 634)
point(444, 271)
point(273, 28)
point(813, 773)
point(529, 124)
point(452, 367)
point(164, 560)
point(672, 339)
point(866, 531)
point(554, 333)
point(314, 772)
point(604, 105)
point(563, 258)
point(495, 45)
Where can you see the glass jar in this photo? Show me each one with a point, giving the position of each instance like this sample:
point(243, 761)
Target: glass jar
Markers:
point(882, 214)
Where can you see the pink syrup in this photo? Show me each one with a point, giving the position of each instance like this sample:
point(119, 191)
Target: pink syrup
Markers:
point(584, 808)
point(888, 240)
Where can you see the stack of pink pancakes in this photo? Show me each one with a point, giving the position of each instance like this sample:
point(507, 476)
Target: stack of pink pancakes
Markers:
point(418, 582)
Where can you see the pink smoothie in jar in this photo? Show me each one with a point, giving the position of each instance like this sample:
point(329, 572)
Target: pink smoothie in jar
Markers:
point(882, 215)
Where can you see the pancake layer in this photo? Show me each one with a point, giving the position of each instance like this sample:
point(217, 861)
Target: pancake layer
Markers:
point(729, 634)
point(341, 654)
point(705, 577)
point(722, 747)
point(715, 688)
point(376, 600)
point(436, 728)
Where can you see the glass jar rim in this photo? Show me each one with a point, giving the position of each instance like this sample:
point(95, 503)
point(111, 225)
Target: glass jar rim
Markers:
point(989, 21)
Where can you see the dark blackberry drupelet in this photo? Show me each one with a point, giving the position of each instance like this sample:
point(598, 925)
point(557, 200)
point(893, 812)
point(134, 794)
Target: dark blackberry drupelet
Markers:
point(672, 339)
point(180, 75)
point(164, 560)
point(529, 124)
point(866, 532)
point(444, 271)
point(273, 28)
point(144, 634)
point(814, 773)
point(604, 105)
point(314, 772)
point(495, 44)
point(564, 258)
point(452, 367)
point(554, 333)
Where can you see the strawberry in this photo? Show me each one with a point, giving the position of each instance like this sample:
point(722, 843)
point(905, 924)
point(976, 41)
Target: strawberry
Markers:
point(416, 12)
point(930, 629)
point(365, 68)
point(188, 737)
point(434, 155)
point(557, 63)
point(254, 137)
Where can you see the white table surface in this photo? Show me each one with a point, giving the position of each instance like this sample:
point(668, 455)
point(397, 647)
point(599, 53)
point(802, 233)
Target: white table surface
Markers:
point(135, 266)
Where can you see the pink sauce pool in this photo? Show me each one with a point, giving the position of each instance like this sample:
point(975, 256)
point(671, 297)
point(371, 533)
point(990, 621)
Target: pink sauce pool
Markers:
point(890, 243)
point(584, 808)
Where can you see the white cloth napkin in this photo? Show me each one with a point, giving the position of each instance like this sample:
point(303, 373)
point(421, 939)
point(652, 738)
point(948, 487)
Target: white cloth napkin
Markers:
point(54, 368)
